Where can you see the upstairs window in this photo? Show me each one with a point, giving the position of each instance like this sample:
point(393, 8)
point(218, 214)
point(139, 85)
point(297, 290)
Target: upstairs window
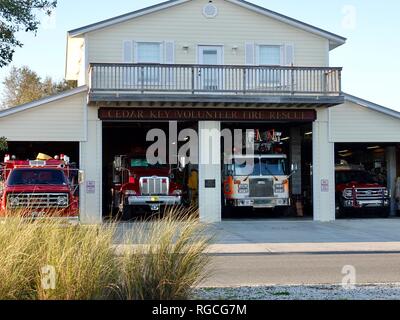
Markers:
point(269, 55)
point(149, 52)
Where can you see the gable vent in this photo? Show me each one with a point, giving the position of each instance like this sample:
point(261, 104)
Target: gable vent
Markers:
point(210, 10)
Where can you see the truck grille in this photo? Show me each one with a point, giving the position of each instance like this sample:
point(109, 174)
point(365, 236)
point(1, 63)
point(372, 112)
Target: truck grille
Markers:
point(154, 186)
point(369, 194)
point(261, 188)
point(37, 200)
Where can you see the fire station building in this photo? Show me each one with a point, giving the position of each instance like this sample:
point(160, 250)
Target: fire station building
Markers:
point(208, 66)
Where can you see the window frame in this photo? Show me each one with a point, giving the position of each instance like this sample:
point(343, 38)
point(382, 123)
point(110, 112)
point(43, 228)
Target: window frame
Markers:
point(156, 78)
point(274, 79)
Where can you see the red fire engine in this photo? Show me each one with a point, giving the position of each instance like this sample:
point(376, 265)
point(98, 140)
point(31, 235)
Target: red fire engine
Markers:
point(37, 188)
point(140, 185)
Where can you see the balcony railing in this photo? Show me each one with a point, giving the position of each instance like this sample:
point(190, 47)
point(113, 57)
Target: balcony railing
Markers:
point(214, 79)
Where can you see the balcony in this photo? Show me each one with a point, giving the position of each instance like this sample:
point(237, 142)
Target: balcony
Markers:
point(229, 84)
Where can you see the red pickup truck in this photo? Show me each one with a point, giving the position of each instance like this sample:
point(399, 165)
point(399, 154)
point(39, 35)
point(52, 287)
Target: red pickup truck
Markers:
point(358, 191)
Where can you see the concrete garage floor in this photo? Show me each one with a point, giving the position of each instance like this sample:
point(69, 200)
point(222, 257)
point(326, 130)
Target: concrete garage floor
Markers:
point(301, 236)
point(305, 236)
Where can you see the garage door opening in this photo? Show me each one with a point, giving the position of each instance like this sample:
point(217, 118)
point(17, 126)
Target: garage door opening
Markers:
point(365, 180)
point(30, 150)
point(133, 186)
point(280, 186)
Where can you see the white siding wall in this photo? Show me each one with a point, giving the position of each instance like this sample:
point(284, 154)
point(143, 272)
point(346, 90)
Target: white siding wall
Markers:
point(185, 24)
point(91, 162)
point(350, 122)
point(61, 120)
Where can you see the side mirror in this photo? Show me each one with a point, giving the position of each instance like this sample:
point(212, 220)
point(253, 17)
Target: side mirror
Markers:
point(81, 177)
point(118, 163)
point(294, 167)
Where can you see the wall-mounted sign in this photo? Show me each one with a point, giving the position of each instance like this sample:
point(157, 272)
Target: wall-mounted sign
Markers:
point(145, 114)
point(324, 185)
point(90, 187)
point(210, 184)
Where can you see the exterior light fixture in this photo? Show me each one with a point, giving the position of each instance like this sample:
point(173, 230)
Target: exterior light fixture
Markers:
point(235, 50)
point(285, 139)
point(373, 148)
point(309, 133)
point(185, 48)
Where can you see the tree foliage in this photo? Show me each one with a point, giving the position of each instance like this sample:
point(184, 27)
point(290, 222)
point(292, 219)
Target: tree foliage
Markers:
point(23, 85)
point(3, 144)
point(19, 15)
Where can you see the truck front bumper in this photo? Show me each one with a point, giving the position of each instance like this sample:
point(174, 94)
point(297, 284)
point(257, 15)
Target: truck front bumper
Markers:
point(262, 203)
point(154, 200)
point(374, 203)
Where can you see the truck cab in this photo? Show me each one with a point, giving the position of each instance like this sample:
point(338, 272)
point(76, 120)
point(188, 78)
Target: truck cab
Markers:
point(38, 188)
point(358, 190)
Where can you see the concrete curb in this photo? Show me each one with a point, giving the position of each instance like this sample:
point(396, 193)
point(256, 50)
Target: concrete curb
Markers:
point(304, 248)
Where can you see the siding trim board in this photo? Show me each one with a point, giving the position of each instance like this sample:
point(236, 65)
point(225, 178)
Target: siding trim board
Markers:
point(334, 39)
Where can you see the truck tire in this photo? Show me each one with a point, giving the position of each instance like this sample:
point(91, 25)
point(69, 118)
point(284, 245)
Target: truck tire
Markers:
point(127, 213)
point(341, 213)
point(384, 213)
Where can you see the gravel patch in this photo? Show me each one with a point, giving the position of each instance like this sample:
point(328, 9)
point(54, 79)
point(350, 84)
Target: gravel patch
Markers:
point(322, 292)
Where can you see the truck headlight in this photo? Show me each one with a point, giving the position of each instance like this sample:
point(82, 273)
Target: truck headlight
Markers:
point(177, 192)
point(130, 193)
point(386, 193)
point(348, 193)
point(243, 188)
point(14, 201)
point(62, 201)
point(279, 188)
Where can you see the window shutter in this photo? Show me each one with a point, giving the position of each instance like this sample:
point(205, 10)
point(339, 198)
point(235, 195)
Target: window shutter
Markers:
point(127, 76)
point(289, 55)
point(250, 53)
point(128, 51)
point(169, 58)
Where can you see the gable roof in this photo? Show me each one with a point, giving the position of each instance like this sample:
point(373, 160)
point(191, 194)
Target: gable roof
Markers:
point(334, 39)
point(7, 112)
point(372, 106)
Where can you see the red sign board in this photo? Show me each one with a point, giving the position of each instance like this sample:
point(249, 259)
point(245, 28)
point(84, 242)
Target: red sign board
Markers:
point(145, 114)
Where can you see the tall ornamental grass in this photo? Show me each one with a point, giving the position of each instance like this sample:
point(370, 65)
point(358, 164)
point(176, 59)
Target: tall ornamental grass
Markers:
point(161, 259)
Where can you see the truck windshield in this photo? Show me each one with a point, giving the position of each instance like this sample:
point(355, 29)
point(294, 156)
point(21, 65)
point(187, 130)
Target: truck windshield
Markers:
point(245, 167)
point(343, 177)
point(276, 167)
point(142, 163)
point(21, 177)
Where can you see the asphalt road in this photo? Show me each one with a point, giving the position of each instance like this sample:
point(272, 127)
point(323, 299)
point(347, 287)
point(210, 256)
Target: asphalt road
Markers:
point(288, 269)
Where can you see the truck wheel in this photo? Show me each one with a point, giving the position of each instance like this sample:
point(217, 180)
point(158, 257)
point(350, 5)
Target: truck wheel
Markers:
point(385, 213)
point(127, 213)
point(340, 213)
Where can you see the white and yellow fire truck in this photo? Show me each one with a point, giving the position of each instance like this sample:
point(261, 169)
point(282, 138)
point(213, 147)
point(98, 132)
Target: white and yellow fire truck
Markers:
point(260, 180)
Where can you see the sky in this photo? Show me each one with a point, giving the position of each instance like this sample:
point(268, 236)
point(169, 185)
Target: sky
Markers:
point(370, 58)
